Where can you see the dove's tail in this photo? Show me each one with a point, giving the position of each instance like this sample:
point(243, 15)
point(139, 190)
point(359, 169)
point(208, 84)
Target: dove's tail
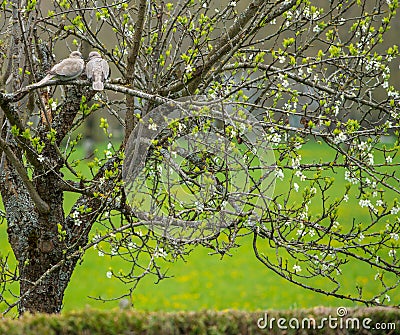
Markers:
point(98, 85)
point(44, 80)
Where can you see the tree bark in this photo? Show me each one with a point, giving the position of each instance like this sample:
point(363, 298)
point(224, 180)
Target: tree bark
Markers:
point(34, 234)
point(130, 120)
point(34, 240)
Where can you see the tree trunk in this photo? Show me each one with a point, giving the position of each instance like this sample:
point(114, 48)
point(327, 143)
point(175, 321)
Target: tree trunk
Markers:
point(35, 242)
point(36, 238)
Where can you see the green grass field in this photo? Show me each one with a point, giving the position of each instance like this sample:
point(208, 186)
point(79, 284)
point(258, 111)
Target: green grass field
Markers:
point(209, 282)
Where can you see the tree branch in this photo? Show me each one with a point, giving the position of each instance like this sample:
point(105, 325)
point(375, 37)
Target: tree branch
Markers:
point(41, 205)
point(307, 82)
point(134, 52)
point(18, 95)
point(229, 40)
point(130, 68)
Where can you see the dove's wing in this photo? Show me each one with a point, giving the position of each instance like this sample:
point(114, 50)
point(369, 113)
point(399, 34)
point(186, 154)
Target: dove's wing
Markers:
point(97, 70)
point(89, 68)
point(69, 68)
point(105, 69)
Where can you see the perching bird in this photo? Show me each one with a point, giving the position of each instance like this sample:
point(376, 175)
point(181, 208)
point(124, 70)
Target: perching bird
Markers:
point(97, 70)
point(68, 69)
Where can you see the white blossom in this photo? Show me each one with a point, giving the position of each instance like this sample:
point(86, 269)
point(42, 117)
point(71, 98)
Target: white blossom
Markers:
point(199, 206)
point(370, 159)
point(385, 84)
point(296, 162)
point(317, 29)
point(349, 178)
point(279, 174)
point(75, 216)
point(53, 106)
point(96, 237)
point(189, 68)
point(152, 126)
point(303, 215)
point(393, 94)
point(274, 137)
point(395, 210)
point(250, 223)
point(336, 109)
point(109, 274)
point(285, 82)
point(394, 236)
point(300, 175)
point(160, 252)
point(341, 137)
point(393, 114)
point(365, 203)
point(297, 268)
point(132, 245)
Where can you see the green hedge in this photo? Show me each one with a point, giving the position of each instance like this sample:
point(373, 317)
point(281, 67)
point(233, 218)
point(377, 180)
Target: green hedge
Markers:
point(93, 322)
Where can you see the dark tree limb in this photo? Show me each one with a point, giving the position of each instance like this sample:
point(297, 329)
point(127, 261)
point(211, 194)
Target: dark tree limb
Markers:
point(130, 68)
point(41, 205)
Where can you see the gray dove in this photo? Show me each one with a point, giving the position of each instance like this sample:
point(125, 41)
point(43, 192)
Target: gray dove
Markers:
point(97, 70)
point(68, 69)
